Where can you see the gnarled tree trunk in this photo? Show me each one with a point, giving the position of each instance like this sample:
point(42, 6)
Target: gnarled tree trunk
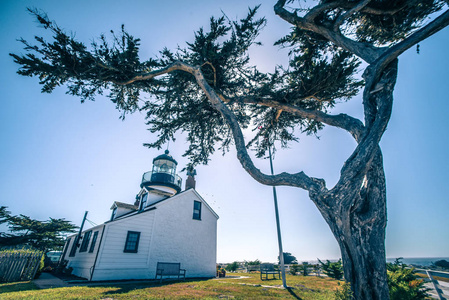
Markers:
point(360, 232)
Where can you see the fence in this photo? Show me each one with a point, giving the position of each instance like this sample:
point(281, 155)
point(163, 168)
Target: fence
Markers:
point(19, 265)
point(438, 289)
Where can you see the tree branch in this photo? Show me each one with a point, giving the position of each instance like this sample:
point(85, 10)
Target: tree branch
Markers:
point(393, 52)
point(150, 75)
point(374, 71)
point(349, 13)
point(313, 185)
point(352, 125)
point(365, 51)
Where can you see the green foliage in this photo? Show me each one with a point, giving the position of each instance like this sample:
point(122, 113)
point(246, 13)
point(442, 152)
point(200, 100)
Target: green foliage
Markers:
point(345, 292)
point(305, 268)
point(403, 283)
point(41, 267)
point(294, 269)
point(41, 235)
point(178, 103)
point(253, 262)
point(332, 269)
point(288, 258)
point(394, 27)
point(232, 267)
point(442, 263)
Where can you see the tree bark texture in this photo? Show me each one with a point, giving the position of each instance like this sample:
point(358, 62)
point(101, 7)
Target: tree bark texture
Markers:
point(360, 231)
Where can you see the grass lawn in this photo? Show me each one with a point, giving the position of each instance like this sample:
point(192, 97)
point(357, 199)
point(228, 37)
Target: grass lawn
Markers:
point(308, 287)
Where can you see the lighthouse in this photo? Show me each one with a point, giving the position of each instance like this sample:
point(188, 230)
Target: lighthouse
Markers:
point(162, 177)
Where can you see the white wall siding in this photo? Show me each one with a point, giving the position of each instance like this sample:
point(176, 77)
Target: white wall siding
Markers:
point(180, 238)
point(113, 262)
point(82, 262)
point(168, 233)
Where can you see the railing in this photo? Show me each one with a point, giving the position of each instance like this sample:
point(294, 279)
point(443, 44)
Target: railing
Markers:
point(438, 289)
point(150, 177)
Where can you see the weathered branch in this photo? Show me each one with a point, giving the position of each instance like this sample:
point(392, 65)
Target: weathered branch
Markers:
point(150, 75)
point(349, 13)
point(313, 185)
point(352, 125)
point(374, 71)
point(319, 9)
point(393, 52)
point(359, 162)
point(365, 51)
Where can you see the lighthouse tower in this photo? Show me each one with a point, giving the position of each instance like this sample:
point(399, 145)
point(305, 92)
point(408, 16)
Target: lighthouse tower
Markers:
point(162, 178)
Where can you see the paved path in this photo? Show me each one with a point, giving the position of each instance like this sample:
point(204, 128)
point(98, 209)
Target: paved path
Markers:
point(48, 281)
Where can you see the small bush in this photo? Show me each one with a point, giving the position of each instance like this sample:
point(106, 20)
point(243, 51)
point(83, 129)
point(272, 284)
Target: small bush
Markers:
point(232, 267)
point(403, 283)
point(345, 292)
point(294, 269)
point(442, 264)
point(41, 267)
point(305, 268)
point(332, 269)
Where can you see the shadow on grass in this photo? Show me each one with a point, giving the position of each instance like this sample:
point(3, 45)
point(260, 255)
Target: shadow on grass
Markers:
point(123, 288)
point(290, 290)
point(17, 287)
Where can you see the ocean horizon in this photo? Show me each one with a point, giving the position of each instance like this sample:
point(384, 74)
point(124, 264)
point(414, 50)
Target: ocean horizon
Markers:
point(416, 261)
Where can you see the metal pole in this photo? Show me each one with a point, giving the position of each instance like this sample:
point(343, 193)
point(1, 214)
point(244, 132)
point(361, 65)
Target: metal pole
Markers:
point(281, 252)
point(81, 229)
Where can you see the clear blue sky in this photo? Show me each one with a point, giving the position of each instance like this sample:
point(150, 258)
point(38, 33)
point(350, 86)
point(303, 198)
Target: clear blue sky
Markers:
point(59, 158)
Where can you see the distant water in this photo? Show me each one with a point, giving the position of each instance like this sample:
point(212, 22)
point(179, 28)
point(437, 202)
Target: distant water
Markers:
point(416, 261)
point(419, 261)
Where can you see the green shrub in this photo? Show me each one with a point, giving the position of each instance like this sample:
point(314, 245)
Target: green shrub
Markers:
point(232, 267)
point(332, 269)
point(442, 263)
point(41, 267)
point(294, 269)
point(403, 283)
point(345, 292)
point(305, 268)
point(253, 263)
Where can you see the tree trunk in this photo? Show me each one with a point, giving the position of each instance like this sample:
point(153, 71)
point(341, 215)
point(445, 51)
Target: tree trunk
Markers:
point(360, 232)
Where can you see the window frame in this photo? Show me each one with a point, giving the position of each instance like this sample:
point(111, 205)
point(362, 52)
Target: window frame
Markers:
point(114, 213)
point(143, 203)
point(66, 248)
point(86, 240)
point(94, 241)
point(197, 210)
point(136, 242)
point(74, 246)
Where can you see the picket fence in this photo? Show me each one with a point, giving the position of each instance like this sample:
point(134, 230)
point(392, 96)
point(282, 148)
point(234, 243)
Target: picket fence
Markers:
point(19, 265)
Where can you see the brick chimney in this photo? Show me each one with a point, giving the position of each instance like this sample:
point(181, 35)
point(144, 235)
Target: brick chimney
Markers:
point(190, 182)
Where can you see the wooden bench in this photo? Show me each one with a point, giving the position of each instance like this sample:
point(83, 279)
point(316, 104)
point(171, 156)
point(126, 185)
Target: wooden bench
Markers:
point(170, 269)
point(252, 268)
point(268, 269)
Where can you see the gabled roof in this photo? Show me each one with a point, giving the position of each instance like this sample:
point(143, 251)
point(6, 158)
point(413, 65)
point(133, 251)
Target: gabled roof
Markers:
point(124, 205)
point(157, 203)
point(181, 193)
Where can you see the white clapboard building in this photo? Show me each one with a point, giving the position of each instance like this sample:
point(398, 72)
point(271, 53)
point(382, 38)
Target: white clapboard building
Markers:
point(164, 224)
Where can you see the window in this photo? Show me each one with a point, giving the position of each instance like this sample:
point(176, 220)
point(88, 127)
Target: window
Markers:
point(74, 246)
point(197, 210)
point(114, 212)
point(132, 242)
point(143, 203)
point(85, 242)
point(66, 247)
point(94, 240)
